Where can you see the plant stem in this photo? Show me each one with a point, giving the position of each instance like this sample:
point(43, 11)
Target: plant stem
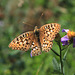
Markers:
point(59, 44)
point(61, 58)
point(55, 52)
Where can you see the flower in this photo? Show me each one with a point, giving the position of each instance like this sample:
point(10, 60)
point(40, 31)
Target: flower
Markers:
point(31, 54)
point(73, 42)
point(65, 40)
point(70, 35)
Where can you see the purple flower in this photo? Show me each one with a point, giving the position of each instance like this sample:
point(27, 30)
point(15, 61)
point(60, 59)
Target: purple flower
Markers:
point(65, 40)
point(73, 42)
point(65, 30)
point(31, 54)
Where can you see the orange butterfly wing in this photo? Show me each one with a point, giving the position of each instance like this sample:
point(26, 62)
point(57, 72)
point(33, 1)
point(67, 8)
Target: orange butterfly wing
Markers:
point(47, 35)
point(36, 48)
point(26, 41)
point(22, 42)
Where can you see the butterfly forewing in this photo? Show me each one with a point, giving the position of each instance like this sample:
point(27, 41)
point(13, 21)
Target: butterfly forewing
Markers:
point(25, 41)
point(47, 35)
point(22, 42)
point(49, 31)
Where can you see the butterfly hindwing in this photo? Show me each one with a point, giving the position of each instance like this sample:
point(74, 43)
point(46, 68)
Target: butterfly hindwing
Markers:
point(36, 49)
point(22, 42)
point(47, 35)
point(46, 45)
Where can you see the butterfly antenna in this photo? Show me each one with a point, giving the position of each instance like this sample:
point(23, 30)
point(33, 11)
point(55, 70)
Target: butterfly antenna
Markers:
point(40, 17)
point(28, 24)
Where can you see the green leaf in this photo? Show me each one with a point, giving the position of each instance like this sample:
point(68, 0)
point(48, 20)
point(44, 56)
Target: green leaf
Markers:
point(15, 52)
point(55, 64)
point(65, 54)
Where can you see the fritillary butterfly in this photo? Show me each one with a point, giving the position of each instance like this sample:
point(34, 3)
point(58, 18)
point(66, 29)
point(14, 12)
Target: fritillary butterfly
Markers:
point(37, 40)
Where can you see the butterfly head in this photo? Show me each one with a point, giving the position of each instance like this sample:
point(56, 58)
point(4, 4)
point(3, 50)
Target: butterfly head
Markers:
point(36, 29)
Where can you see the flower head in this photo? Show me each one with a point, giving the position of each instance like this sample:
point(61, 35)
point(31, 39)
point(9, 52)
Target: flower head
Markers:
point(70, 34)
point(65, 40)
point(31, 54)
point(73, 42)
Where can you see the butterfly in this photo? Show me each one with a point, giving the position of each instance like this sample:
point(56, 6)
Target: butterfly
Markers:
point(37, 40)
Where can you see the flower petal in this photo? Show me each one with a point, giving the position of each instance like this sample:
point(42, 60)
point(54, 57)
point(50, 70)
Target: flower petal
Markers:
point(74, 42)
point(65, 43)
point(65, 30)
point(31, 54)
point(65, 40)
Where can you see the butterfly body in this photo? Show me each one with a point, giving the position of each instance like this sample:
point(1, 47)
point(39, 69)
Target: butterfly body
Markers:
point(37, 40)
point(36, 32)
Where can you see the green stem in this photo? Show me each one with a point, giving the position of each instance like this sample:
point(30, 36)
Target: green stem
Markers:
point(66, 47)
point(59, 44)
point(61, 58)
point(55, 52)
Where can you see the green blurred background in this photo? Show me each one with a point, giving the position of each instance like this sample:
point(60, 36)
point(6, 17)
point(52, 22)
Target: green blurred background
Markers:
point(18, 16)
